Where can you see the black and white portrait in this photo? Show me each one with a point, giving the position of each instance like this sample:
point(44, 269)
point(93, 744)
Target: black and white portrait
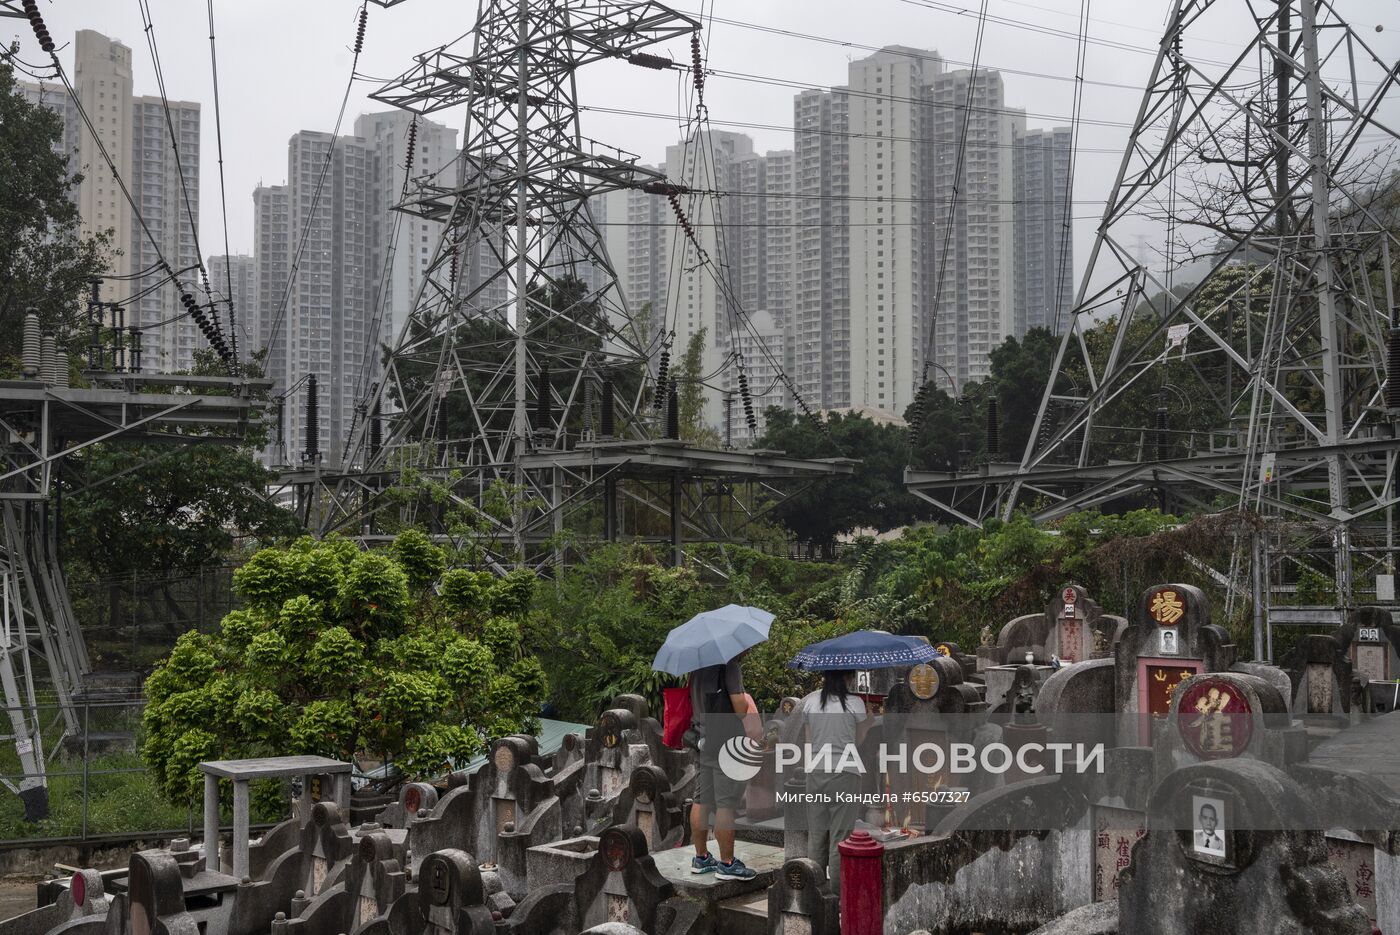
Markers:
point(1169, 643)
point(1208, 834)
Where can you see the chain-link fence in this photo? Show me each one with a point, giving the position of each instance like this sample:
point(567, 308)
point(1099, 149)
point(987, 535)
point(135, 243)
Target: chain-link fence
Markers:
point(131, 622)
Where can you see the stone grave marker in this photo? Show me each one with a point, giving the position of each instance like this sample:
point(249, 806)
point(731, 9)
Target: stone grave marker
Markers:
point(451, 898)
point(799, 903)
point(649, 805)
point(155, 896)
point(326, 847)
point(1319, 670)
point(1070, 628)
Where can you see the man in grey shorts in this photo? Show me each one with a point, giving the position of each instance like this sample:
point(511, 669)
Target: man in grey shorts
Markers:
point(714, 791)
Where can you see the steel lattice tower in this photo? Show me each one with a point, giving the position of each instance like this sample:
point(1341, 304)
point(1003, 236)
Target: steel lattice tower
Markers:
point(533, 371)
point(1273, 393)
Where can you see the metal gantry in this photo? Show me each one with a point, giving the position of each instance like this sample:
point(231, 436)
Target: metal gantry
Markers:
point(1264, 385)
point(42, 422)
point(532, 372)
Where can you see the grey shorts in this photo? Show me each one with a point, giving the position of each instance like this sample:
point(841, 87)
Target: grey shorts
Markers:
point(716, 790)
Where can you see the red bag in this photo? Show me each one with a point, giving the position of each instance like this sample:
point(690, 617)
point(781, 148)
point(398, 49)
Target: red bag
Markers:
point(676, 715)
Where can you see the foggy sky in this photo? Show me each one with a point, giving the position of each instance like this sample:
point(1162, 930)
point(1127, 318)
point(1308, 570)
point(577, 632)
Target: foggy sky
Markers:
point(283, 67)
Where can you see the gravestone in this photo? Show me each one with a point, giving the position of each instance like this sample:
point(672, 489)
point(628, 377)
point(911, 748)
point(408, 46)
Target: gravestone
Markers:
point(1372, 639)
point(1065, 629)
point(326, 848)
point(1171, 639)
point(649, 805)
point(413, 798)
point(799, 903)
point(155, 897)
point(619, 886)
point(930, 703)
point(1224, 715)
point(451, 899)
point(1235, 873)
point(1319, 670)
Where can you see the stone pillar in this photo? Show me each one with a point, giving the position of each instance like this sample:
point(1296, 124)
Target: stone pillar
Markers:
point(211, 822)
point(240, 828)
point(862, 885)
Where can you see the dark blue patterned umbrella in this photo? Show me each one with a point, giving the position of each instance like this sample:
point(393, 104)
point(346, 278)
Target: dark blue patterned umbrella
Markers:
point(864, 649)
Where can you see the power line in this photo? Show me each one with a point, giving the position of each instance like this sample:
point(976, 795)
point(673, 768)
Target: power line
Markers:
point(320, 183)
point(223, 197)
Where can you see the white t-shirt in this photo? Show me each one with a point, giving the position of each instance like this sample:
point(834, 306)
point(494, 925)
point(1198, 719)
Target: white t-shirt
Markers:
point(832, 729)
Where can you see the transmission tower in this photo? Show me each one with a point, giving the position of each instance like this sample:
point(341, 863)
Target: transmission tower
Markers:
point(531, 371)
point(1264, 384)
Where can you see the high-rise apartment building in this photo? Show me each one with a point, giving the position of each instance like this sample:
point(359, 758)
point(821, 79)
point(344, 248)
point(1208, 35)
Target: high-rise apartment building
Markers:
point(234, 281)
point(166, 190)
point(136, 133)
point(890, 222)
point(972, 134)
point(397, 264)
point(821, 301)
point(1044, 252)
point(272, 259)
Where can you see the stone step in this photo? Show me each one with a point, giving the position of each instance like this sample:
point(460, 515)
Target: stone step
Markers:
point(763, 859)
point(745, 915)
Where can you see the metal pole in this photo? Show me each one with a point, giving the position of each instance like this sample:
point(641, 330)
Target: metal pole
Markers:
point(87, 721)
point(1258, 586)
point(677, 551)
point(522, 426)
point(1330, 337)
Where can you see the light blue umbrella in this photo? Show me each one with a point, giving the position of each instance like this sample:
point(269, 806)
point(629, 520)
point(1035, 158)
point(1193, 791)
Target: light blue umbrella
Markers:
point(863, 649)
point(712, 638)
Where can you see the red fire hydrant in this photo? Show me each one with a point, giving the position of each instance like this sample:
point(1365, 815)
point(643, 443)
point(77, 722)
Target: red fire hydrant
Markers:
point(862, 885)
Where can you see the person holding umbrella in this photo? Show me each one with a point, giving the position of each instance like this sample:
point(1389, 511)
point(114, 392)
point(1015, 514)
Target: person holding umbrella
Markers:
point(708, 648)
point(836, 724)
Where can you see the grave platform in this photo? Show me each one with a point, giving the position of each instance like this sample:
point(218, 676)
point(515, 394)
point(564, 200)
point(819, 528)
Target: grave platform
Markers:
point(769, 831)
point(764, 859)
point(1372, 747)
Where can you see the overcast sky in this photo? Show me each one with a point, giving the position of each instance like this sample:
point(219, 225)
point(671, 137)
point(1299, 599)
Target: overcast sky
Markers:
point(283, 66)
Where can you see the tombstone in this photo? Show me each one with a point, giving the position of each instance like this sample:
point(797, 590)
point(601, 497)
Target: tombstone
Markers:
point(1319, 670)
point(1236, 872)
point(930, 703)
point(1372, 639)
point(505, 808)
point(799, 903)
point(1171, 639)
point(968, 664)
point(451, 899)
point(78, 905)
point(155, 897)
point(1067, 629)
point(649, 805)
point(1225, 715)
point(624, 739)
point(413, 798)
point(373, 880)
point(325, 851)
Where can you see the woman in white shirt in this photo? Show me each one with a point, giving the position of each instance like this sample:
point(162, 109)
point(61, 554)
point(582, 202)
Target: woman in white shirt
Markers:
point(836, 724)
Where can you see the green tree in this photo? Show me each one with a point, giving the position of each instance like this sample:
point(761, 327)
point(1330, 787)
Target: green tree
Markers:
point(188, 505)
point(873, 496)
point(45, 260)
point(336, 655)
point(690, 376)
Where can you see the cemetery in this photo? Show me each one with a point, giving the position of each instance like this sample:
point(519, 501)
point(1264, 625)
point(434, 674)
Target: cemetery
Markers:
point(1228, 797)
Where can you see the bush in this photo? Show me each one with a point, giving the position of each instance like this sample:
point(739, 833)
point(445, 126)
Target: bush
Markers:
point(342, 653)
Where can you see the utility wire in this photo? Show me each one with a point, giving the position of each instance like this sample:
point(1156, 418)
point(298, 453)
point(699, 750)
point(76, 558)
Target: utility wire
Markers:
point(223, 197)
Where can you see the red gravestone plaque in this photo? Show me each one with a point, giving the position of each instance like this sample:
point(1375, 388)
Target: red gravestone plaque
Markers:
point(1215, 719)
point(1167, 607)
point(1157, 682)
point(1071, 637)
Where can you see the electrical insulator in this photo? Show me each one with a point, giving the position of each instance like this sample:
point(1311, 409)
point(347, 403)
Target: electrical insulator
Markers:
point(1392, 382)
point(312, 452)
point(135, 334)
point(673, 412)
point(1046, 429)
point(360, 31)
point(607, 421)
point(412, 144)
point(728, 420)
point(376, 432)
point(916, 419)
point(993, 427)
point(663, 370)
point(36, 22)
point(749, 419)
point(697, 66)
point(32, 352)
point(281, 421)
point(452, 271)
point(647, 60)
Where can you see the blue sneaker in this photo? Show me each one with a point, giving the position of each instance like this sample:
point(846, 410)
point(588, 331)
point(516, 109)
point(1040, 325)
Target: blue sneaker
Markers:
point(706, 864)
point(734, 870)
